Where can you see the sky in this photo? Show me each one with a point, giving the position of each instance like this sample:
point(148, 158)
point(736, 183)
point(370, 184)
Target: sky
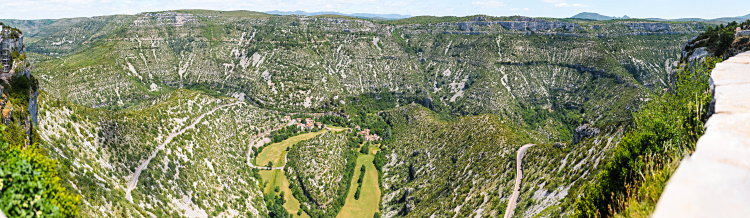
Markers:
point(670, 9)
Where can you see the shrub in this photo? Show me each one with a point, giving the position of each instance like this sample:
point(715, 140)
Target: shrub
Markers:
point(365, 148)
point(29, 183)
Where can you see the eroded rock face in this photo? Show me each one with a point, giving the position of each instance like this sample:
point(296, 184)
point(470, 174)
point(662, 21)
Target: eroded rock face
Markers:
point(698, 55)
point(584, 131)
point(651, 27)
point(742, 33)
point(14, 66)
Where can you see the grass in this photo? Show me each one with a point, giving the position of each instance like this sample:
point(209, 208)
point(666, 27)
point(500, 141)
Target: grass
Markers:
point(369, 199)
point(275, 152)
point(274, 178)
point(278, 178)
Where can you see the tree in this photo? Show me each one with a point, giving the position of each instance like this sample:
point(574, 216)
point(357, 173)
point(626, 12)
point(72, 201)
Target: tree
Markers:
point(365, 148)
point(269, 165)
point(356, 194)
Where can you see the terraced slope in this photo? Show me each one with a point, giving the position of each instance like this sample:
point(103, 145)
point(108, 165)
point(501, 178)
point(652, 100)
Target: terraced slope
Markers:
point(189, 148)
point(466, 167)
point(532, 81)
point(469, 65)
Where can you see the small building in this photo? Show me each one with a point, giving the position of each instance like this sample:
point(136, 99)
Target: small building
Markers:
point(286, 119)
point(368, 136)
point(372, 137)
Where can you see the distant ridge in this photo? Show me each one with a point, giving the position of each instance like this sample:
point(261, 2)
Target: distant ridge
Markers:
point(595, 16)
point(360, 15)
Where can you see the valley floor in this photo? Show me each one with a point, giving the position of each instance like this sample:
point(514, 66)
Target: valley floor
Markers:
point(369, 199)
point(365, 206)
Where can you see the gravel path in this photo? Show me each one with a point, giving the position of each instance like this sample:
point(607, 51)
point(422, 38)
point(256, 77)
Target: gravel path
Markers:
point(517, 187)
point(133, 181)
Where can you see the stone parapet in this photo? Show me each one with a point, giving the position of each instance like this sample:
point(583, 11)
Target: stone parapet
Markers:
point(715, 180)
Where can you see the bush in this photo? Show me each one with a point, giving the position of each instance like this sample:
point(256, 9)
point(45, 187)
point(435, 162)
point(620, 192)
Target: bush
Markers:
point(356, 194)
point(365, 148)
point(29, 182)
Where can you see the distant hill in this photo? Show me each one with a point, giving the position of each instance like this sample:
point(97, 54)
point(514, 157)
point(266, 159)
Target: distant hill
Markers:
point(360, 15)
point(595, 16)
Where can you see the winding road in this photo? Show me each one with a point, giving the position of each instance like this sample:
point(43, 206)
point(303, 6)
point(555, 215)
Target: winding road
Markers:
point(517, 187)
point(266, 168)
point(133, 181)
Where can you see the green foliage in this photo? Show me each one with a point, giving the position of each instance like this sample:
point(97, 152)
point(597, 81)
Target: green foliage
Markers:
point(720, 38)
point(284, 133)
point(379, 160)
point(342, 164)
point(668, 125)
point(334, 120)
point(29, 184)
point(365, 148)
point(275, 206)
point(18, 89)
point(569, 118)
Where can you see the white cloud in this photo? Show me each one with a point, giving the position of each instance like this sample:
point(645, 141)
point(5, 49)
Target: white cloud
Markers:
point(521, 9)
point(566, 5)
point(489, 4)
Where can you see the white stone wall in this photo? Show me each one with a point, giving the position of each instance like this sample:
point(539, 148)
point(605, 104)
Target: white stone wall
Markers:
point(715, 180)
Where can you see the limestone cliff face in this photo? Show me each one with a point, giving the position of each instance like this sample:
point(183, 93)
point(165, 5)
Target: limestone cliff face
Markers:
point(19, 90)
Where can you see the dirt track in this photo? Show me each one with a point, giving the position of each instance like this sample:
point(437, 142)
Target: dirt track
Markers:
point(517, 187)
point(133, 181)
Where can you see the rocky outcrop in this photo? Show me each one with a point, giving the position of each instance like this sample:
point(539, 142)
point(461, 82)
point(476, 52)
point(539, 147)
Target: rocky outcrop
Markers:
point(536, 25)
point(651, 27)
point(742, 33)
point(15, 71)
point(584, 131)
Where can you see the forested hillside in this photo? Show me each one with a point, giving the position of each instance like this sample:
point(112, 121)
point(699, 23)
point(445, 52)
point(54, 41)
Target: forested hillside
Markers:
point(547, 74)
point(162, 113)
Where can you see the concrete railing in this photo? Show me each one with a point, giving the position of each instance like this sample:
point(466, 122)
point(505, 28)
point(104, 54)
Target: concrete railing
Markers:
point(715, 180)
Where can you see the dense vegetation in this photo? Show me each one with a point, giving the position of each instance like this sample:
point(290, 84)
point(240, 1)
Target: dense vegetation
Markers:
point(29, 181)
point(275, 206)
point(719, 39)
point(320, 171)
point(664, 129)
